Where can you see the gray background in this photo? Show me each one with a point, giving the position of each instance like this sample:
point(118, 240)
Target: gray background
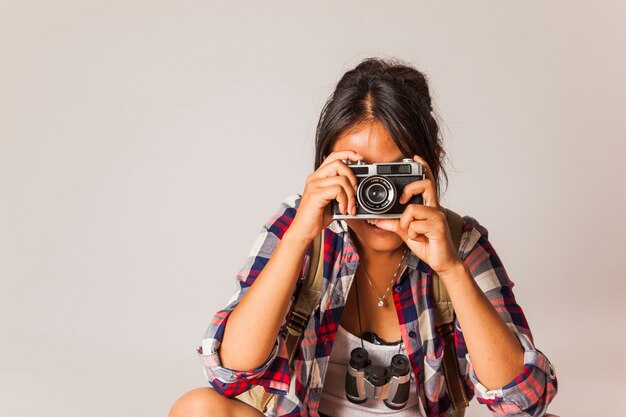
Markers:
point(144, 143)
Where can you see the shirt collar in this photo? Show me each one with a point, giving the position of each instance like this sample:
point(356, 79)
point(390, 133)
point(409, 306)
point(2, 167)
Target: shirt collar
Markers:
point(338, 226)
point(412, 261)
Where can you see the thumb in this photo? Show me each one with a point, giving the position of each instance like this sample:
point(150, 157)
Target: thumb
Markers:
point(392, 225)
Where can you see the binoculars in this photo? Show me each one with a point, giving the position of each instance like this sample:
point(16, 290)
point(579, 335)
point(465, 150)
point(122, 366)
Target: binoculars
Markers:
point(366, 381)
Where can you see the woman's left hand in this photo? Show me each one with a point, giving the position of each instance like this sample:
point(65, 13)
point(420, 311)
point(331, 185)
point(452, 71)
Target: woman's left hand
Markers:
point(424, 228)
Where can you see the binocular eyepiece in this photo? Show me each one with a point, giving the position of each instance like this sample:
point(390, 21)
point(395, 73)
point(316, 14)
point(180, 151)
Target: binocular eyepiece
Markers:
point(366, 381)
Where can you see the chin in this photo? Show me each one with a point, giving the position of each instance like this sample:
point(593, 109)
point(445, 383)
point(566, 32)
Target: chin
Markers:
point(374, 237)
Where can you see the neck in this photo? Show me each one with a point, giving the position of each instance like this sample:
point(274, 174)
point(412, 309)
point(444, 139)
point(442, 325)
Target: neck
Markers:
point(372, 258)
point(380, 267)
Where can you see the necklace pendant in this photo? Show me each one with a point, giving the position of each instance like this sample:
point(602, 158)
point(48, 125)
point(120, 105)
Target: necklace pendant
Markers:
point(381, 303)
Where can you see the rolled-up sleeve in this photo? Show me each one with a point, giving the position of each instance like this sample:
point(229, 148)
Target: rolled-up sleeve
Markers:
point(530, 392)
point(273, 374)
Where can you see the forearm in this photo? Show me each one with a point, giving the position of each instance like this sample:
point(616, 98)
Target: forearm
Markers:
point(253, 325)
point(495, 351)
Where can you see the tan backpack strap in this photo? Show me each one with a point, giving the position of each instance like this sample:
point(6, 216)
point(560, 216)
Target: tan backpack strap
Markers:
point(444, 319)
point(444, 313)
point(307, 299)
point(305, 305)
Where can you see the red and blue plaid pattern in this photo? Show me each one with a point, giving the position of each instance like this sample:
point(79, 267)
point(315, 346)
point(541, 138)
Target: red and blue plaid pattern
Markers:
point(526, 395)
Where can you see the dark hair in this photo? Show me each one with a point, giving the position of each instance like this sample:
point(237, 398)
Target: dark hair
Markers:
point(393, 94)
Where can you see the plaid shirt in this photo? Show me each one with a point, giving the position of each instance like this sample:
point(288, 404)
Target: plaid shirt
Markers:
point(528, 394)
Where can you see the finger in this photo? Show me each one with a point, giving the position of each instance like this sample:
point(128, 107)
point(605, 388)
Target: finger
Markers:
point(433, 228)
point(334, 156)
point(419, 227)
point(345, 184)
point(335, 168)
point(392, 225)
point(324, 195)
point(427, 171)
point(417, 212)
point(425, 187)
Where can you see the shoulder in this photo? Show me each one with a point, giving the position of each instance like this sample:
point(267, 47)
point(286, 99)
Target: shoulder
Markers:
point(477, 251)
point(472, 234)
point(470, 229)
point(280, 221)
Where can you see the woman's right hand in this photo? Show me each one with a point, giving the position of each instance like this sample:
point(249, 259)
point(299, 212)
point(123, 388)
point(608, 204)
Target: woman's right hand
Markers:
point(333, 180)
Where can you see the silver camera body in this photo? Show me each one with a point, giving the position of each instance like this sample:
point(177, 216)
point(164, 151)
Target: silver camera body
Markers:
point(379, 186)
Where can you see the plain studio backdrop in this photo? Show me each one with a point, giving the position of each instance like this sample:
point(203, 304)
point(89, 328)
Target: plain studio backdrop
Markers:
point(143, 144)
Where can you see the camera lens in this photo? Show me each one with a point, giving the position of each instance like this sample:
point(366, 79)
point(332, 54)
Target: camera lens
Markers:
point(376, 194)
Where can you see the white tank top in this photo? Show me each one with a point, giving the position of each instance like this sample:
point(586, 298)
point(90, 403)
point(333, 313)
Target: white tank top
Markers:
point(333, 401)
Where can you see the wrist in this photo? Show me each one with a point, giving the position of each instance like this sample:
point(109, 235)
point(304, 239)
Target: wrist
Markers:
point(458, 269)
point(297, 239)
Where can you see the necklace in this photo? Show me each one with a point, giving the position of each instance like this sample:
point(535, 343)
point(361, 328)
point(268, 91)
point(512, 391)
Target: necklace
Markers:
point(383, 298)
point(358, 312)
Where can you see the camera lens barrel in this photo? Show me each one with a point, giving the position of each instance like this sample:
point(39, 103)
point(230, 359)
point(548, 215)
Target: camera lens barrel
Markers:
point(376, 194)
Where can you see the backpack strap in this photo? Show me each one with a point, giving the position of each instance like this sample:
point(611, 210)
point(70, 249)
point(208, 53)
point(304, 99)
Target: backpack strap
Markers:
point(444, 313)
point(444, 322)
point(304, 306)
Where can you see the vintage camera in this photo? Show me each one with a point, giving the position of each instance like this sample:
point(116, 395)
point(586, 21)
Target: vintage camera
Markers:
point(379, 186)
point(366, 381)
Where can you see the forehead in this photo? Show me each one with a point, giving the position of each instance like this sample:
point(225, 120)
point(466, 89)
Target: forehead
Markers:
point(371, 140)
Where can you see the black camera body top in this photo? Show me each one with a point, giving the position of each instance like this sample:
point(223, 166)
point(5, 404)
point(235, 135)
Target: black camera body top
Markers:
point(379, 186)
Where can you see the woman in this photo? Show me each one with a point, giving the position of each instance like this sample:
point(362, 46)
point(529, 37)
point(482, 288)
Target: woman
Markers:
point(379, 112)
